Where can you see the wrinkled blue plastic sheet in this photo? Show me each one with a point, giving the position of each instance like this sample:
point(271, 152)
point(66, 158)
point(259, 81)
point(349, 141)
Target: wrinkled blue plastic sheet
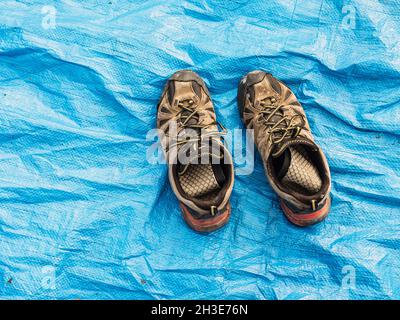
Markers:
point(84, 215)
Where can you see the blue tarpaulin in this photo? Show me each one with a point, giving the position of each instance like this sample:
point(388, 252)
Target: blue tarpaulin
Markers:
point(84, 215)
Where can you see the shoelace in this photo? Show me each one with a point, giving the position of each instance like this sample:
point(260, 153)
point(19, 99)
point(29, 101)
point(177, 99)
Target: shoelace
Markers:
point(189, 110)
point(279, 130)
point(282, 128)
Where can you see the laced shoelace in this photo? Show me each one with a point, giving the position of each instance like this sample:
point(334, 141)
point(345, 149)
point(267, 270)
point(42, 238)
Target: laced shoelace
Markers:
point(284, 127)
point(279, 130)
point(189, 110)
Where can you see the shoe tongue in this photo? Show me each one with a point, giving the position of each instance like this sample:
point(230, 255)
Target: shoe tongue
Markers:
point(298, 172)
point(197, 159)
point(199, 179)
point(290, 142)
point(294, 166)
point(284, 162)
point(282, 154)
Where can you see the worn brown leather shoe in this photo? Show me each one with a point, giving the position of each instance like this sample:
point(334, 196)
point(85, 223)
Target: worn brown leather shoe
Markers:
point(295, 166)
point(200, 168)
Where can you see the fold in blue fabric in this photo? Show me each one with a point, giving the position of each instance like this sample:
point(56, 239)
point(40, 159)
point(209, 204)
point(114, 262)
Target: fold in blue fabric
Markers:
point(85, 215)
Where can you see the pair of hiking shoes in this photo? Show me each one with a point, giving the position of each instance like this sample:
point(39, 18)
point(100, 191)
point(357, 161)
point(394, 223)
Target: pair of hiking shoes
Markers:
point(200, 168)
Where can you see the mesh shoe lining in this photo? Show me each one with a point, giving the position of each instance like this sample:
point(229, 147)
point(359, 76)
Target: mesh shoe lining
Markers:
point(199, 181)
point(302, 175)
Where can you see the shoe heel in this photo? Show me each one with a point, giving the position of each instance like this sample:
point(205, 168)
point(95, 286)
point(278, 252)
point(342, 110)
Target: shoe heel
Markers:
point(308, 219)
point(206, 225)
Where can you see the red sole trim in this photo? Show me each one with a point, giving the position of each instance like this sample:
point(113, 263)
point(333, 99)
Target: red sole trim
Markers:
point(308, 219)
point(206, 225)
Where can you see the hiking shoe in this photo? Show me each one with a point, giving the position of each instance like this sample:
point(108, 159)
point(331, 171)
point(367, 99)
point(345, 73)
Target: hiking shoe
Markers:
point(200, 168)
point(295, 166)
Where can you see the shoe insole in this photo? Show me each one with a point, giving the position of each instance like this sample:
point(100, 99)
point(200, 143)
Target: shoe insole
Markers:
point(302, 175)
point(200, 180)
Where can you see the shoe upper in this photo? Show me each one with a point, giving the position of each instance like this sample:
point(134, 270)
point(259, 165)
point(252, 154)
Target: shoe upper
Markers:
point(200, 167)
point(295, 166)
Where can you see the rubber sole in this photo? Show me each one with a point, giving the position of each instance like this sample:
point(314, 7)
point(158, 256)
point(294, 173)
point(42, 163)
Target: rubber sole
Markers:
point(206, 225)
point(308, 219)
